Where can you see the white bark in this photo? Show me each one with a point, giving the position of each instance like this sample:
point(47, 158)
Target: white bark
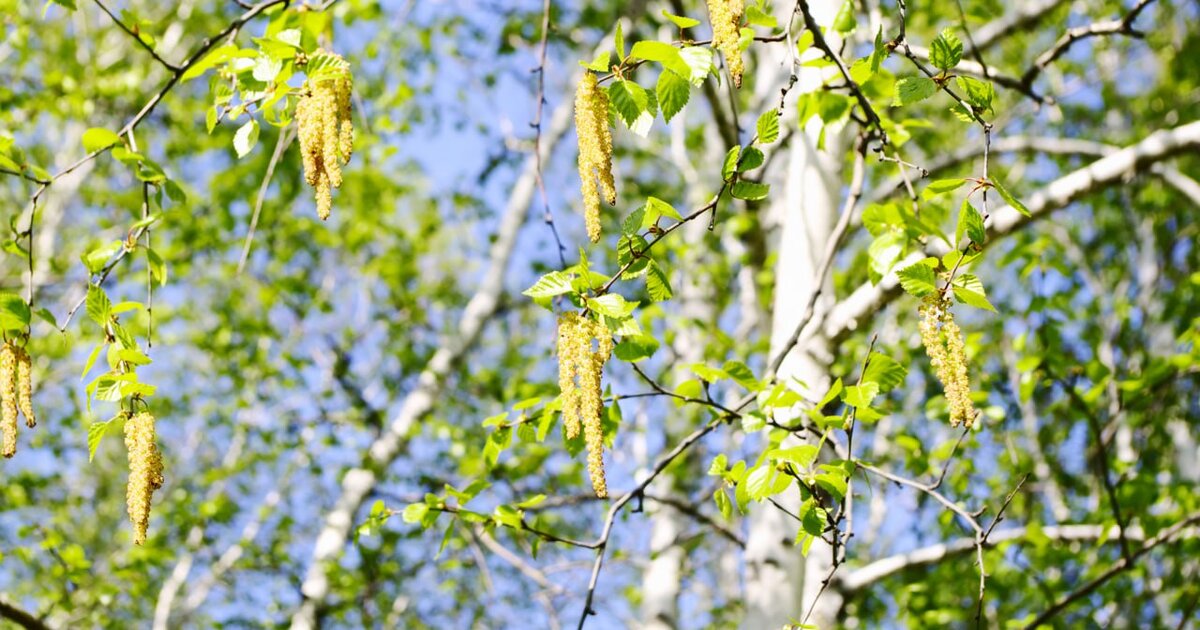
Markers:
point(358, 482)
point(779, 581)
point(1111, 169)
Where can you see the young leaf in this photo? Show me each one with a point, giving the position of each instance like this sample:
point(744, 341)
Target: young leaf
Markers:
point(98, 139)
point(844, 21)
point(969, 290)
point(911, 90)
point(550, 285)
point(99, 307)
point(946, 50)
point(245, 138)
point(96, 432)
point(14, 312)
point(634, 348)
point(750, 191)
point(918, 279)
point(663, 53)
point(658, 287)
point(680, 21)
point(970, 222)
point(1010, 199)
point(768, 126)
point(673, 93)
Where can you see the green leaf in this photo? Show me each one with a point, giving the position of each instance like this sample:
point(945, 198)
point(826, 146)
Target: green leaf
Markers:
point(884, 251)
point(768, 126)
point(741, 373)
point(750, 191)
point(658, 286)
point(550, 285)
point(757, 17)
point(731, 160)
point(619, 41)
point(752, 158)
point(861, 395)
point(979, 94)
point(679, 20)
point(946, 50)
point(245, 138)
point(970, 222)
point(158, 267)
point(415, 513)
point(724, 505)
point(801, 456)
point(911, 90)
point(96, 432)
point(611, 304)
point(941, 187)
point(673, 93)
point(635, 105)
point(969, 290)
point(663, 53)
point(99, 307)
point(634, 348)
point(699, 60)
point(656, 207)
point(918, 279)
point(1010, 199)
point(14, 312)
point(98, 139)
point(844, 21)
point(884, 371)
point(95, 259)
point(599, 63)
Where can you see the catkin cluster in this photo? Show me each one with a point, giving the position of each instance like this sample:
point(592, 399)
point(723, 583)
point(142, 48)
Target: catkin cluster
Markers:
point(726, 16)
point(584, 345)
point(16, 394)
point(943, 342)
point(595, 151)
point(145, 472)
point(325, 130)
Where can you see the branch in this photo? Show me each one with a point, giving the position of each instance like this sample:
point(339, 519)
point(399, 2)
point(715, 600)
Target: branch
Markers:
point(1123, 26)
point(20, 617)
point(995, 31)
point(867, 575)
point(867, 299)
point(137, 38)
point(358, 482)
point(1124, 564)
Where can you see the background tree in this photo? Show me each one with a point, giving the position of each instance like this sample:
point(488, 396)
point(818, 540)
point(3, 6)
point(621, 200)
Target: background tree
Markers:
point(359, 418)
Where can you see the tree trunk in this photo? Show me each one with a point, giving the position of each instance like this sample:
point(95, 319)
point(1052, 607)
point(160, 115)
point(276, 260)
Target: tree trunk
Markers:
point(779, 580)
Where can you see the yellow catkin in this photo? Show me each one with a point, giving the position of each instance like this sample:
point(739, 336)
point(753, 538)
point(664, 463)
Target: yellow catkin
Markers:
point(25, 387)
point(584, 346)
point(8, 399)
point(943, 341)
point(595, 151)
point(325, 129)
point(145, 472)
point(726, 17)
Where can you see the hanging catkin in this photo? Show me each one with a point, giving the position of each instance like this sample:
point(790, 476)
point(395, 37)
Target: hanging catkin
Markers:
point(943, 341)
point(324, 126)
point(726, 16)
point(145, 472)
point(8, 398)
point(25, 387)
point(595, 151)
point(584, 345)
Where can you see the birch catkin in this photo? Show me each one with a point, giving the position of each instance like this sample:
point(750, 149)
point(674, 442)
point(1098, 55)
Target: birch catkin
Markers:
point(584, 346)
point(595, 151)
point(145, 472)
point(726, 17)
point(324, 128)
point(943, 341)
point(25, 387)
point(8, 398)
